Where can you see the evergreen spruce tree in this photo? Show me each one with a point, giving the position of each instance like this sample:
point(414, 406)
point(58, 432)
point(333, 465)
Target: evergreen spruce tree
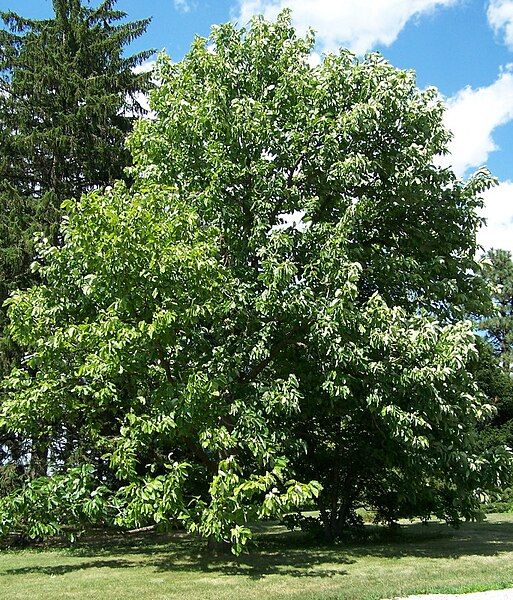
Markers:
point(494, 371)
point(68, 97)
point(498, 271)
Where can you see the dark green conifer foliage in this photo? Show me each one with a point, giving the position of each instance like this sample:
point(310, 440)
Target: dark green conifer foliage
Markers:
point(498, 271)
point(68, 97)
point(67, 92)
point(496, 351)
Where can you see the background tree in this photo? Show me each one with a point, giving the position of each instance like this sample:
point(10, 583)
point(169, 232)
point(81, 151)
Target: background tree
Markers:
point(497, 383)
point(68, 97)
point(496, 348)
point(221, 358)
point(498, 273)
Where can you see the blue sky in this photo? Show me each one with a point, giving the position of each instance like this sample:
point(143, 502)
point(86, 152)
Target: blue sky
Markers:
point(463, 47)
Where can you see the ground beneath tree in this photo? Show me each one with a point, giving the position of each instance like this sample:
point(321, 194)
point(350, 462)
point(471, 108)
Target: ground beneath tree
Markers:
point(146, 565)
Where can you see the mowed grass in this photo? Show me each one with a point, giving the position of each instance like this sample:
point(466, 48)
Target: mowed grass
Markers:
point(419, 559)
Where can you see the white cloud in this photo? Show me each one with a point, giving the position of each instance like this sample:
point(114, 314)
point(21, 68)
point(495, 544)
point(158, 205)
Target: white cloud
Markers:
point(472, 115)
point(500, 17)
point(140, 97)
point(498, 211)
point(357, 24)
point(144, 102)
point(293, 220)
point(183, 5)
point(145, 67)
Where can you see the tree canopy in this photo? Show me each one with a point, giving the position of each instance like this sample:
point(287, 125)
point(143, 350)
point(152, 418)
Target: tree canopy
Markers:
point(269, 316)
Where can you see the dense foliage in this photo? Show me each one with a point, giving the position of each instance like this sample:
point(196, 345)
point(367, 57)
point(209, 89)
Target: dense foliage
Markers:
point(498, 273)
point(68, 97)
point(268, 316)
point(493, 371)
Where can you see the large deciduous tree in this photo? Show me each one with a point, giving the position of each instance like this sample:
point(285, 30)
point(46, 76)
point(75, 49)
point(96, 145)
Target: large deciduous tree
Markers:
point(68, 98)
point(274, 304)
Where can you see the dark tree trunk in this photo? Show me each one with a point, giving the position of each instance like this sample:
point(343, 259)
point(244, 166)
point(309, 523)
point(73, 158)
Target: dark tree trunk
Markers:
point(39, 459)
point(218, 547)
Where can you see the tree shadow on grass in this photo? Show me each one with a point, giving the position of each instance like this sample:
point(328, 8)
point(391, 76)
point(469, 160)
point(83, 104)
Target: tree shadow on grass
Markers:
point(63, 569)
point(258, 565)
point(253, 566)
point(280, 552)
point(437, 540)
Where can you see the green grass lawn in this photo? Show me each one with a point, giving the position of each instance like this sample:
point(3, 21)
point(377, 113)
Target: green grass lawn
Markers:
point(432, 558)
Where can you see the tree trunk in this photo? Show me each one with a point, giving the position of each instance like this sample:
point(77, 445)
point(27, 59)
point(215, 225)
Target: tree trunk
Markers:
point(218, 547)
point(39, 458)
